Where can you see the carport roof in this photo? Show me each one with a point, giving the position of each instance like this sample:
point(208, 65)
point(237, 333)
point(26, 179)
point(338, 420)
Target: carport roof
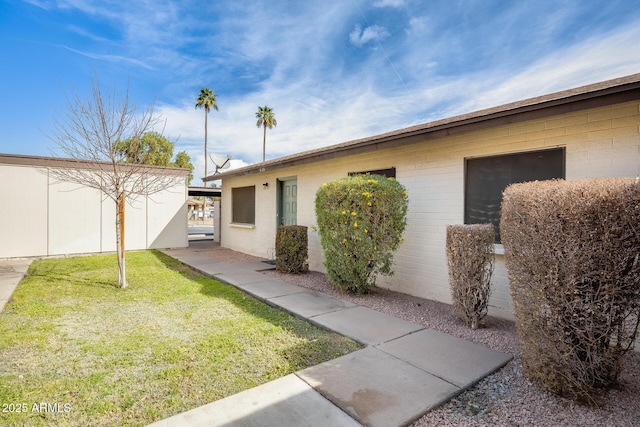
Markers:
point(591, 96)
point(205, 191)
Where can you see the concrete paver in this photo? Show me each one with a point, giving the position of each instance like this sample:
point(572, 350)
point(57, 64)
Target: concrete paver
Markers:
point(310, 303)
point(406, 370)
point(287, 401)
point(365, 325)
point(378, 389)
point(271, 289)
point(238, 277)
point(458, 361)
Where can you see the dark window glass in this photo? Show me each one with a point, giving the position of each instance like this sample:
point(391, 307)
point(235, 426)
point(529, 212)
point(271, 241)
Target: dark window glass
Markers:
point(243, 205)
point(389, 173)
point(487, 177)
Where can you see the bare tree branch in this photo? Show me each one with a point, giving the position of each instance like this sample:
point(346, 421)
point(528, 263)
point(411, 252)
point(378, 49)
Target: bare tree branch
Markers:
point(88, 129)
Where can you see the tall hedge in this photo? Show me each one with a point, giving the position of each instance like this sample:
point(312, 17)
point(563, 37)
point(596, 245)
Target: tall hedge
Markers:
point(470, 256)
point(572, 252)
point(360, 221)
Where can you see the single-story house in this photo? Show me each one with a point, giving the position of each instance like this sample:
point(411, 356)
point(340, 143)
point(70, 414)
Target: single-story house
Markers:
point(454, 169)
point(43, 216)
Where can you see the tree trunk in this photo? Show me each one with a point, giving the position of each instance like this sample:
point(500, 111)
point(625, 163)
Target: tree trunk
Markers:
point(122, 276)
point(206, 114)
point(264, 143)
point(204, 205)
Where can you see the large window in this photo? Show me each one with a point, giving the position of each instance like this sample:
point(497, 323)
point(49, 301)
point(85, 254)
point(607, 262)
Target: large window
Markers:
point(243, 201)
point(487, 177)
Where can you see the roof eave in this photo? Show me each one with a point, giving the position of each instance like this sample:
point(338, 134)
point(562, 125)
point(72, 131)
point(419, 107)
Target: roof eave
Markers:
point(591, 96)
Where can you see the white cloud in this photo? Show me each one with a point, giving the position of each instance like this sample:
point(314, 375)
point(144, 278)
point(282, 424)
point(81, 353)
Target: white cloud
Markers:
point(110, 58)
point(293, 57)
point(359, 37)
point(321, 107)
point(590, 61)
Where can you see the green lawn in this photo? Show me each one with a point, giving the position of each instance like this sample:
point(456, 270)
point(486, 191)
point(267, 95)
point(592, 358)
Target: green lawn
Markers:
point(173, 340)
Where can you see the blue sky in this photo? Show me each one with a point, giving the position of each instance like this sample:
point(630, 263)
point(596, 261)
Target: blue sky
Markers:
point(332, 70)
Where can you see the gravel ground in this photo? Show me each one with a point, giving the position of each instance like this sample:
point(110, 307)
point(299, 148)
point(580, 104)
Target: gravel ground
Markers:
point(505, 398)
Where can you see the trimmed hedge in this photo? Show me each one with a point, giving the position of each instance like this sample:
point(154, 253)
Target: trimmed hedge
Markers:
point(572, 252)
point(360, 221)
point(470, 257)
point(292, 249)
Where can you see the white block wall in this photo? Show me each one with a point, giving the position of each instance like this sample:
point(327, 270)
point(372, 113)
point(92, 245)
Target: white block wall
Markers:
point(602, 142)
point(40, 216)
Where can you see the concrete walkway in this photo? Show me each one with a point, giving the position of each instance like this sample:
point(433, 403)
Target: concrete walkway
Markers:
point(11, 272)
point(405, 370)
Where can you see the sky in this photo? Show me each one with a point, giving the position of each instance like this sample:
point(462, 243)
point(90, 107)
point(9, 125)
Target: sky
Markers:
point(331, 70)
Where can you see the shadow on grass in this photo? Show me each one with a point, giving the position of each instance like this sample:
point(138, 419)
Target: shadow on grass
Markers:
point(75, 280)
point(306, 354)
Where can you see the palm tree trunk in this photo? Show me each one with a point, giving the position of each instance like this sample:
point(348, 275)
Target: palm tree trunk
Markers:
point(206, 115)
point(204, 204)
point(264, 143)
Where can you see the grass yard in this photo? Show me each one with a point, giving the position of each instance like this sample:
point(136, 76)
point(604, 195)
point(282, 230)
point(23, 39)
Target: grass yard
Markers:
point(76, 350)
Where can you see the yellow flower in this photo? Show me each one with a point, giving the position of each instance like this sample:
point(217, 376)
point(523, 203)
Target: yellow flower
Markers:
point(375, 248)
point(391, 178)
point(372, 181)
point(354, 213)
point(344, 240)
point(369, 204)
point(400, 239)
point(404, 192)
point(355, 225)
point(366, 231)
point(344, 212)
point(324, 184)
point(366, 194)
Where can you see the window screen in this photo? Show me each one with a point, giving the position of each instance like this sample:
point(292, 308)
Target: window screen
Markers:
point(487, 177)
point(243, 205)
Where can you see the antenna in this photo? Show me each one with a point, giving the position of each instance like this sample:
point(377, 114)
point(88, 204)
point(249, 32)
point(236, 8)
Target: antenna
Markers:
point(221, 162)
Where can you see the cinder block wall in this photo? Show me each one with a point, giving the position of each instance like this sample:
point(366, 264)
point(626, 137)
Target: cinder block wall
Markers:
point(602, 142)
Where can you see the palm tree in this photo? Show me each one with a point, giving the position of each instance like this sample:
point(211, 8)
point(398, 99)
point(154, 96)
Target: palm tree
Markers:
point(266, 119)
point(206, 100)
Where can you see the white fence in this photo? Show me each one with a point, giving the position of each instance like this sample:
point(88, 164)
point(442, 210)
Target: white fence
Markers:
point(40, 216)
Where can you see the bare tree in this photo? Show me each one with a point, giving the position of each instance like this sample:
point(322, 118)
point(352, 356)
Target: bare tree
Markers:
point(89, 129)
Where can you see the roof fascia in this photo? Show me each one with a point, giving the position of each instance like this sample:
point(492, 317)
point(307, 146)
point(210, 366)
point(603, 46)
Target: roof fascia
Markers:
point(583, 98)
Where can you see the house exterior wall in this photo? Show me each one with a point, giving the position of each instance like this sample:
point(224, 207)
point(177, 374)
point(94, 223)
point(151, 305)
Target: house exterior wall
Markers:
point(601, 142)
point(40, 216)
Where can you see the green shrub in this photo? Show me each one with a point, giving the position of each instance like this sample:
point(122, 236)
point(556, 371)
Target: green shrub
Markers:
point(470, 256)
point(360, 222)
point(572, 252)
point(291, 249)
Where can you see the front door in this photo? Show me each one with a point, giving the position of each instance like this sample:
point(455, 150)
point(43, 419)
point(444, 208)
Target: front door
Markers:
point(288, 202)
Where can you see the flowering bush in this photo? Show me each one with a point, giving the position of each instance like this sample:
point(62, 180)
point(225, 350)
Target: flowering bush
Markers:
point(360, 221)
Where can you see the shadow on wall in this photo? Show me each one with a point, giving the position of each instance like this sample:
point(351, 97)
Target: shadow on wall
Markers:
point(173, 233)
